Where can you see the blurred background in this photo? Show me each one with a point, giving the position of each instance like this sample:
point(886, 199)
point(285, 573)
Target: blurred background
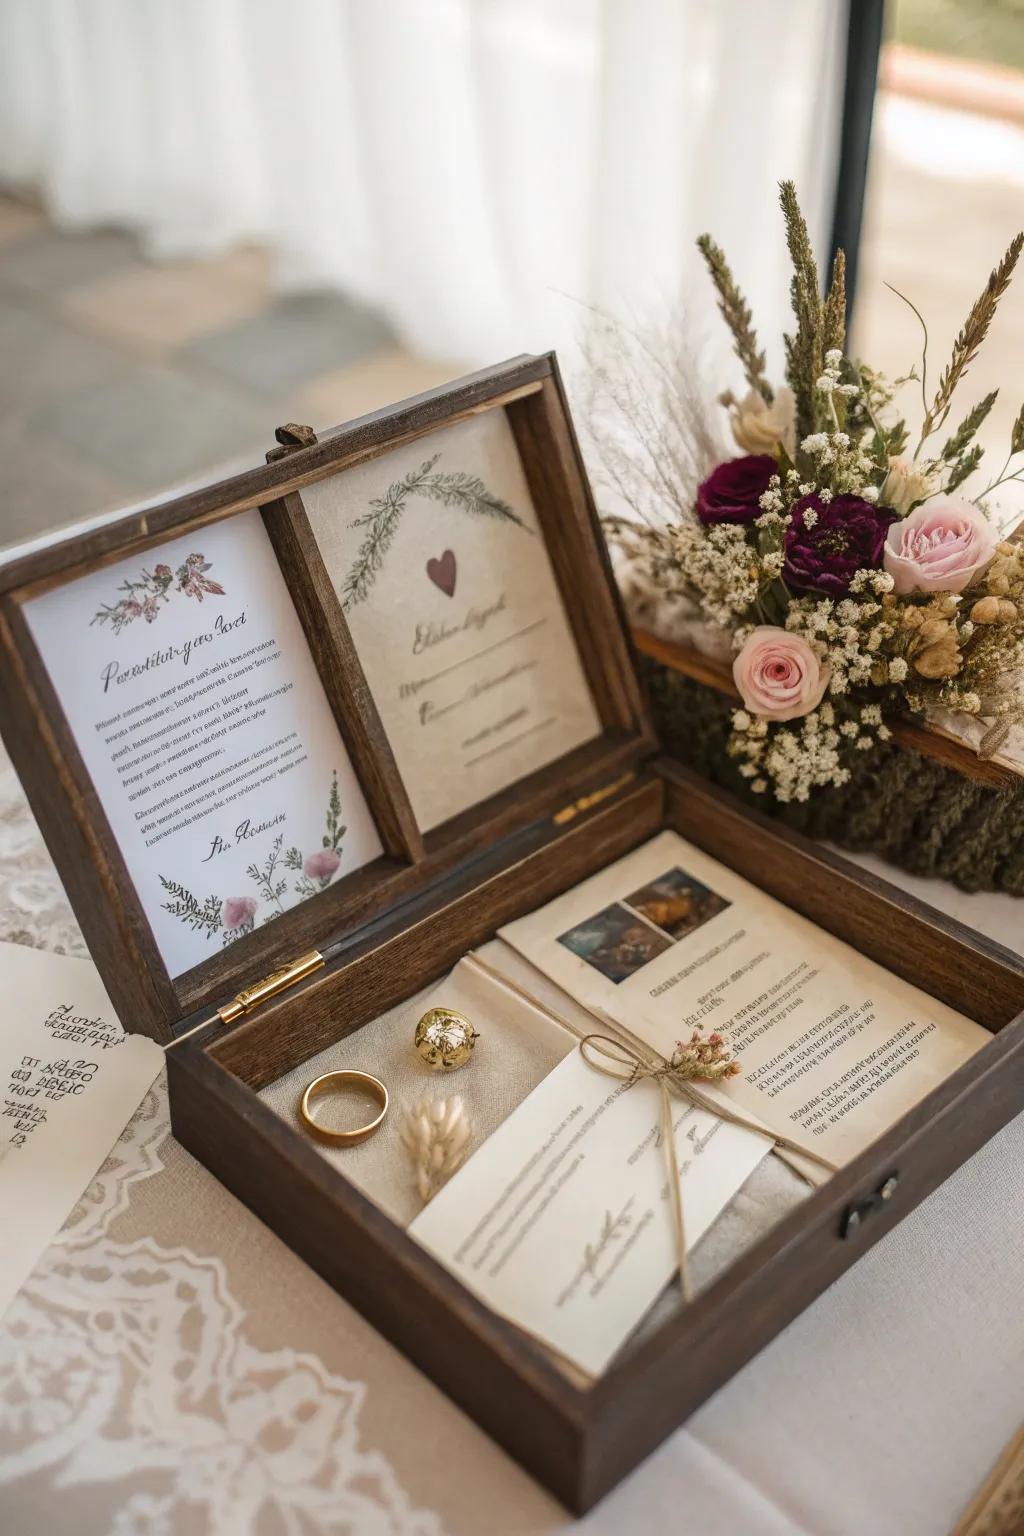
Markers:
point(218, 215)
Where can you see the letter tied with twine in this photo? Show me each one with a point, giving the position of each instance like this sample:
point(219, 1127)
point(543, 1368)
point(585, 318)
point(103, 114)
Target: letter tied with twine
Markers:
point(704, 1058)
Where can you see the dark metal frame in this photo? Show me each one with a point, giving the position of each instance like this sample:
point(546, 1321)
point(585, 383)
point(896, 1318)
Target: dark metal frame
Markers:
point(865, 31)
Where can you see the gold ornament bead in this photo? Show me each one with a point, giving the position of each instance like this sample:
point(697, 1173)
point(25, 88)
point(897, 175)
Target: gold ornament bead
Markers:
point(445, 1039)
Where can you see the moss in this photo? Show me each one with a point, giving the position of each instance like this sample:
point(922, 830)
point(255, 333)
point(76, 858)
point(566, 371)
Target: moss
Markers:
point(918, 814)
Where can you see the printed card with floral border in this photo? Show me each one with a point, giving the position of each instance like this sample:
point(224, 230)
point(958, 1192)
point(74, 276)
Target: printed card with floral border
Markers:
point(199, 713)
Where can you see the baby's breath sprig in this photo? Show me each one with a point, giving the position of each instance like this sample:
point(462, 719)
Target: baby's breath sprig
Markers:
point(842, 462)
point(721, 567)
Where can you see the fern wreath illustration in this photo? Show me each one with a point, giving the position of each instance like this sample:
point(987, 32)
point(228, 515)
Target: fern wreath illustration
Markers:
point(452, 488)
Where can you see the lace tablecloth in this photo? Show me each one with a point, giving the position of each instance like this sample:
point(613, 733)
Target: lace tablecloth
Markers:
point(171, 1369)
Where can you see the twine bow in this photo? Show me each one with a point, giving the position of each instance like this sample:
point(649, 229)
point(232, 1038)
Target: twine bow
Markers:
point(620, 1060)
point(625, 1063)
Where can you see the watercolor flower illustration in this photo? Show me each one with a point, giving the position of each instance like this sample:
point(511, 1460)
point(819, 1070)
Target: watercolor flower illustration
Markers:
point(322, 865)
point(238, 912)
point(145, 597)
point(285, 877)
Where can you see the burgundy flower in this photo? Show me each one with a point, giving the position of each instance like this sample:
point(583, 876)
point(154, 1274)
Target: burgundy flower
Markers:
point(841, 537)
point(731, 492)
point(322, 865)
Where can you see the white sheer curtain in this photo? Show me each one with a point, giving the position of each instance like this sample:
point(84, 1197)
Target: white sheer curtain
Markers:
point(477, 168)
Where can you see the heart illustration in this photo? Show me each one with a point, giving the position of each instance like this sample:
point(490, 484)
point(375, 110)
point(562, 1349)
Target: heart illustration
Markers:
point(442, 573)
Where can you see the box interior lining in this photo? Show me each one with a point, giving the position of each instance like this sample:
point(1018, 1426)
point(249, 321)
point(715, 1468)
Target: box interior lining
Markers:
point(520, 1044)
point(382, 1043)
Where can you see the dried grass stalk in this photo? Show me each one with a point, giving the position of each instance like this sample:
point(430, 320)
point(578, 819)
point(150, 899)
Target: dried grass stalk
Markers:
point(435, 1133)
point(975, 329)
point(736, 313)
point(805, 350)
point(647, 420)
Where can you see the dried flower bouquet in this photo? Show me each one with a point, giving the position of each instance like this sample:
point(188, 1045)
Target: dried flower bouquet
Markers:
point(849, 577)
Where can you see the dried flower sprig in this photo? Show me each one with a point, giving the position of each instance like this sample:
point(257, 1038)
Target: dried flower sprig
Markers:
point(435, 1133)
point(704, 1058)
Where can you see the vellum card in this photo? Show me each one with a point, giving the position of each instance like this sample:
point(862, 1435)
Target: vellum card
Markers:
point(562, 1220)
point(442, 571)
point(833, 1047)
point(197, 708)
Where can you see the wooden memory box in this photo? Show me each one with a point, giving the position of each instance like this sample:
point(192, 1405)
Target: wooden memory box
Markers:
point(450, 852)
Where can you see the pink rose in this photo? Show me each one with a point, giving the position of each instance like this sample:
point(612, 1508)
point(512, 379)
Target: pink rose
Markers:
point(939, 548)
point(322, 865)
point(778, 675)
point(237, 911)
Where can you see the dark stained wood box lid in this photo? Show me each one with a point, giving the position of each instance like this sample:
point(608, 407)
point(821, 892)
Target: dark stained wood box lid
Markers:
point(153, 996)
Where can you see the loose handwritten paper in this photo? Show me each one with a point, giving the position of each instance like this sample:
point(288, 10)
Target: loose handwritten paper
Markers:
point(833, 1047)
point(562, 1221)
point(70, 1080)
point(197, 708)
point(437, 557)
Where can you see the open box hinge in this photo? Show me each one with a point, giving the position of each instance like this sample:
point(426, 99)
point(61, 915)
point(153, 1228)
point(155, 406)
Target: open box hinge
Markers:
point(251, 997)
point(278, 981)
point(585, 802)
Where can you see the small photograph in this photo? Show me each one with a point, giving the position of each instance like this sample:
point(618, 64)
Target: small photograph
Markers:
point(615, 942)
point(677, 903)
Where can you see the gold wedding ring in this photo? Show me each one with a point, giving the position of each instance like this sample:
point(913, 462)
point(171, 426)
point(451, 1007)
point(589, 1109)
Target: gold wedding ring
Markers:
point(337, 1083)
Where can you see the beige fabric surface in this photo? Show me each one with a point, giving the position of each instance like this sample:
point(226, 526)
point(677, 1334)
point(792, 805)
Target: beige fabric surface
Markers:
point(519, 1045)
